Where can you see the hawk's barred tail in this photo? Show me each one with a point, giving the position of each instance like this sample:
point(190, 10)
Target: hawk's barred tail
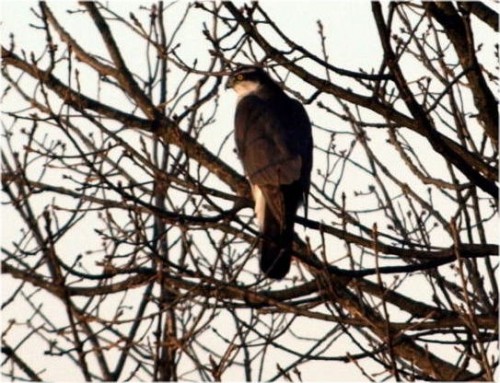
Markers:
point(275, 247)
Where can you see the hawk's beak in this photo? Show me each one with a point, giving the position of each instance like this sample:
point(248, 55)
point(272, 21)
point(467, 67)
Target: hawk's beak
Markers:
point(230, 82)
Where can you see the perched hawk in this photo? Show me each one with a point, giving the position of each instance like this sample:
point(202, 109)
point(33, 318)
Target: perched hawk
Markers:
point(274, 142)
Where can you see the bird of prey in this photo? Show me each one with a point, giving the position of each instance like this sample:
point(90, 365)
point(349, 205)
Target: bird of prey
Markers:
point(274, 142)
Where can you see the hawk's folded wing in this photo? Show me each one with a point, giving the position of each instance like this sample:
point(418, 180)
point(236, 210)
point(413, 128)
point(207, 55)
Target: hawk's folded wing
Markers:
point(272, 139)
point(262, 143)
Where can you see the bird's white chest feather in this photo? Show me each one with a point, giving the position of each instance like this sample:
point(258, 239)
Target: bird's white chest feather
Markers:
point(244, 88)
point(260, 205)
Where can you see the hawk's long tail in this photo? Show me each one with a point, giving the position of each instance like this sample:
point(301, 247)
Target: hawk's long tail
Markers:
point(275, 248)
point(277, 235)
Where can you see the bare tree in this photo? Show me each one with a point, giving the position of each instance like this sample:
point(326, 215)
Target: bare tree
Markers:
point(130, 246)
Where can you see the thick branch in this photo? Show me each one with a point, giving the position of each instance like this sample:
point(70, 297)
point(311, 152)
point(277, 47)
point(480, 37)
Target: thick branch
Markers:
point(11, 354)
point(164, 127)
point(124, 76)
point(458, 30)
point(431, 133)
point(482, 11)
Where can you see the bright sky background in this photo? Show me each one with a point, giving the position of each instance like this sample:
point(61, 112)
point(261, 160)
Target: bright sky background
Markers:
point(352, 43)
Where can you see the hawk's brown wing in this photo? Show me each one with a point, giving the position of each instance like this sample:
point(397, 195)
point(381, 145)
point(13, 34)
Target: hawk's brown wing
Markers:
point(273, 140)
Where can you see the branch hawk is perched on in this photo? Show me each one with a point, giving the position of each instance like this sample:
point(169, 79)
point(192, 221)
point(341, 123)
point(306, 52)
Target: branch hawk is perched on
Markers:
point(274, 142)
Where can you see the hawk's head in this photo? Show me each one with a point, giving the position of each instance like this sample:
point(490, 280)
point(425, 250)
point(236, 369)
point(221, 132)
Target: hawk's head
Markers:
point(247, 79)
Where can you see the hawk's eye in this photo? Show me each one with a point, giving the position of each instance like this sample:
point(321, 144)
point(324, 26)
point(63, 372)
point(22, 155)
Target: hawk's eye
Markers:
point(239, 77)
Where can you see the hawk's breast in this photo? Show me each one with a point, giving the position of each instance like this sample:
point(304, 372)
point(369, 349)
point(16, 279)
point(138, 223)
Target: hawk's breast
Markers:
point(260, 204)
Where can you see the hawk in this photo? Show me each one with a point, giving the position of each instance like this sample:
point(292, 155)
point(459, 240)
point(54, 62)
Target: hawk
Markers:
point(274, 142)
